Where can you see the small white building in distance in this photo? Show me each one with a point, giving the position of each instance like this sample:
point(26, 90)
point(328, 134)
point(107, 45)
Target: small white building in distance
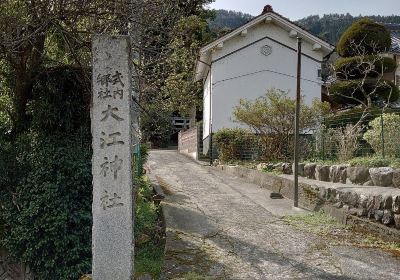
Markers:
point(253, 58)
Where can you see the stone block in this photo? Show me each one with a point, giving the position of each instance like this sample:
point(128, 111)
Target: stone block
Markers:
point(363, 201)
point(338, 173)
point(322, 173)
point(377, 202)
point(114, 125)
point(378, 215)
point(396, 205)
point(309, 170)
point(382, 176)
point(362, 212)
point(396, 219)
point(387, 202)
point(396, 178)
point(287, 169)
point(387, 218)
point(353, 211)
point(358, 175)
point(369, 183)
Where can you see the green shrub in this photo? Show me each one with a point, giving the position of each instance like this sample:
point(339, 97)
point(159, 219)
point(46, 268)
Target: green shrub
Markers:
point(370, 161)
point(230, 142)
point(356, 67)
point(47, 215)
point(148, 255)
point(46, 182)
point(383, 91)
point(374, 37)
point(391, 132)
point(61, 101)
point(144, 153)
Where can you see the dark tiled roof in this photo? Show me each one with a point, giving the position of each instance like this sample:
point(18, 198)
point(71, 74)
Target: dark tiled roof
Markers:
point(395, 43)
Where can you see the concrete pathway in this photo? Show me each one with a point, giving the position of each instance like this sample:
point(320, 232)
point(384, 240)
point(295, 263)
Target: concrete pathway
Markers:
point(221, 227)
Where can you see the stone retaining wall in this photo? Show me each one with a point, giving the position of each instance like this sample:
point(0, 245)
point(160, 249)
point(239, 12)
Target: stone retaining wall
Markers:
point(376, 204)
point(345, 174)
point(188, 142)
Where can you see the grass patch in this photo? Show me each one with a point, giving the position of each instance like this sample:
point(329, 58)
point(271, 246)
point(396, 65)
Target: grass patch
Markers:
point(272, 171)
point(316, 222)
point(193, 276)
point(149, 259)
point(375, 162)
point(149, 234)
point(335, 233)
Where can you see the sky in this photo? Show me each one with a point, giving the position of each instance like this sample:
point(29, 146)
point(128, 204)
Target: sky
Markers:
point(297, 9)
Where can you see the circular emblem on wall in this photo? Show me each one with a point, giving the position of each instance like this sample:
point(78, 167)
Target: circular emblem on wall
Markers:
point(266, 50)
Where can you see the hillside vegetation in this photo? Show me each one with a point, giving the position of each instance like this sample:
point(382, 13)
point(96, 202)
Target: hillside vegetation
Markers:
point(330, 27)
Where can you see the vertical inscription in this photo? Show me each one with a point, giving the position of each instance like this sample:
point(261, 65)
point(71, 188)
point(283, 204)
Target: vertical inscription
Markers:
point(113, 241)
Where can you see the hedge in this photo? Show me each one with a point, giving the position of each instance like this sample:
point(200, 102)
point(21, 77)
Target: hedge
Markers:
point(46, 181)
point(231, 142)
point(341, 89)
point(354, 67)
point(367, 33)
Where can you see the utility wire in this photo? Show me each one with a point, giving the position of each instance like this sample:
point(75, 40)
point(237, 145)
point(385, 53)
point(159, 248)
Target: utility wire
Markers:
point(262, 71)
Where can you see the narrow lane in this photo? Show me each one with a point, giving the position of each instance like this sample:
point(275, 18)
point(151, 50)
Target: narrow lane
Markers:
point(225, 228)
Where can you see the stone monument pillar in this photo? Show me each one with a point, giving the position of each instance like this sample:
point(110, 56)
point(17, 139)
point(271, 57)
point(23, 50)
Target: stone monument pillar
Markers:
point(113, 203)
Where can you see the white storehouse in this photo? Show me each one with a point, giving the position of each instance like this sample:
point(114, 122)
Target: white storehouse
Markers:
point(253, 58)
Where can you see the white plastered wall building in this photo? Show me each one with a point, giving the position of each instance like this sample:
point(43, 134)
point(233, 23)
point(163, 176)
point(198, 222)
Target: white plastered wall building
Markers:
point(253, 58)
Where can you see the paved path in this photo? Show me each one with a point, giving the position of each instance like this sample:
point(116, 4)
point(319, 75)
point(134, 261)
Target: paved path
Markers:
point(224, 228)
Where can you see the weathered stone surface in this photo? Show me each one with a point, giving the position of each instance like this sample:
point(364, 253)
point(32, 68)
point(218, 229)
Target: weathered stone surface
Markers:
point(287, 169)
point(382, 176)
point(387, 202)
point(358, 175)
point(362, 212)
point(261, 166)
point(396, 178)
point(369, 183)
point(387, 218)
point(378, 215)
point(396, 205)
point(338, 173)
point(363, 201)
point(331, 196)
point(346, 208)
point(353, 211)
point(323, 193)
point(371, 214)
point(309, 170)
point(322, 173)
point(349, 198)
point(338, 204)
point(397, 221)
point(378, 202)
point(112, 131)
